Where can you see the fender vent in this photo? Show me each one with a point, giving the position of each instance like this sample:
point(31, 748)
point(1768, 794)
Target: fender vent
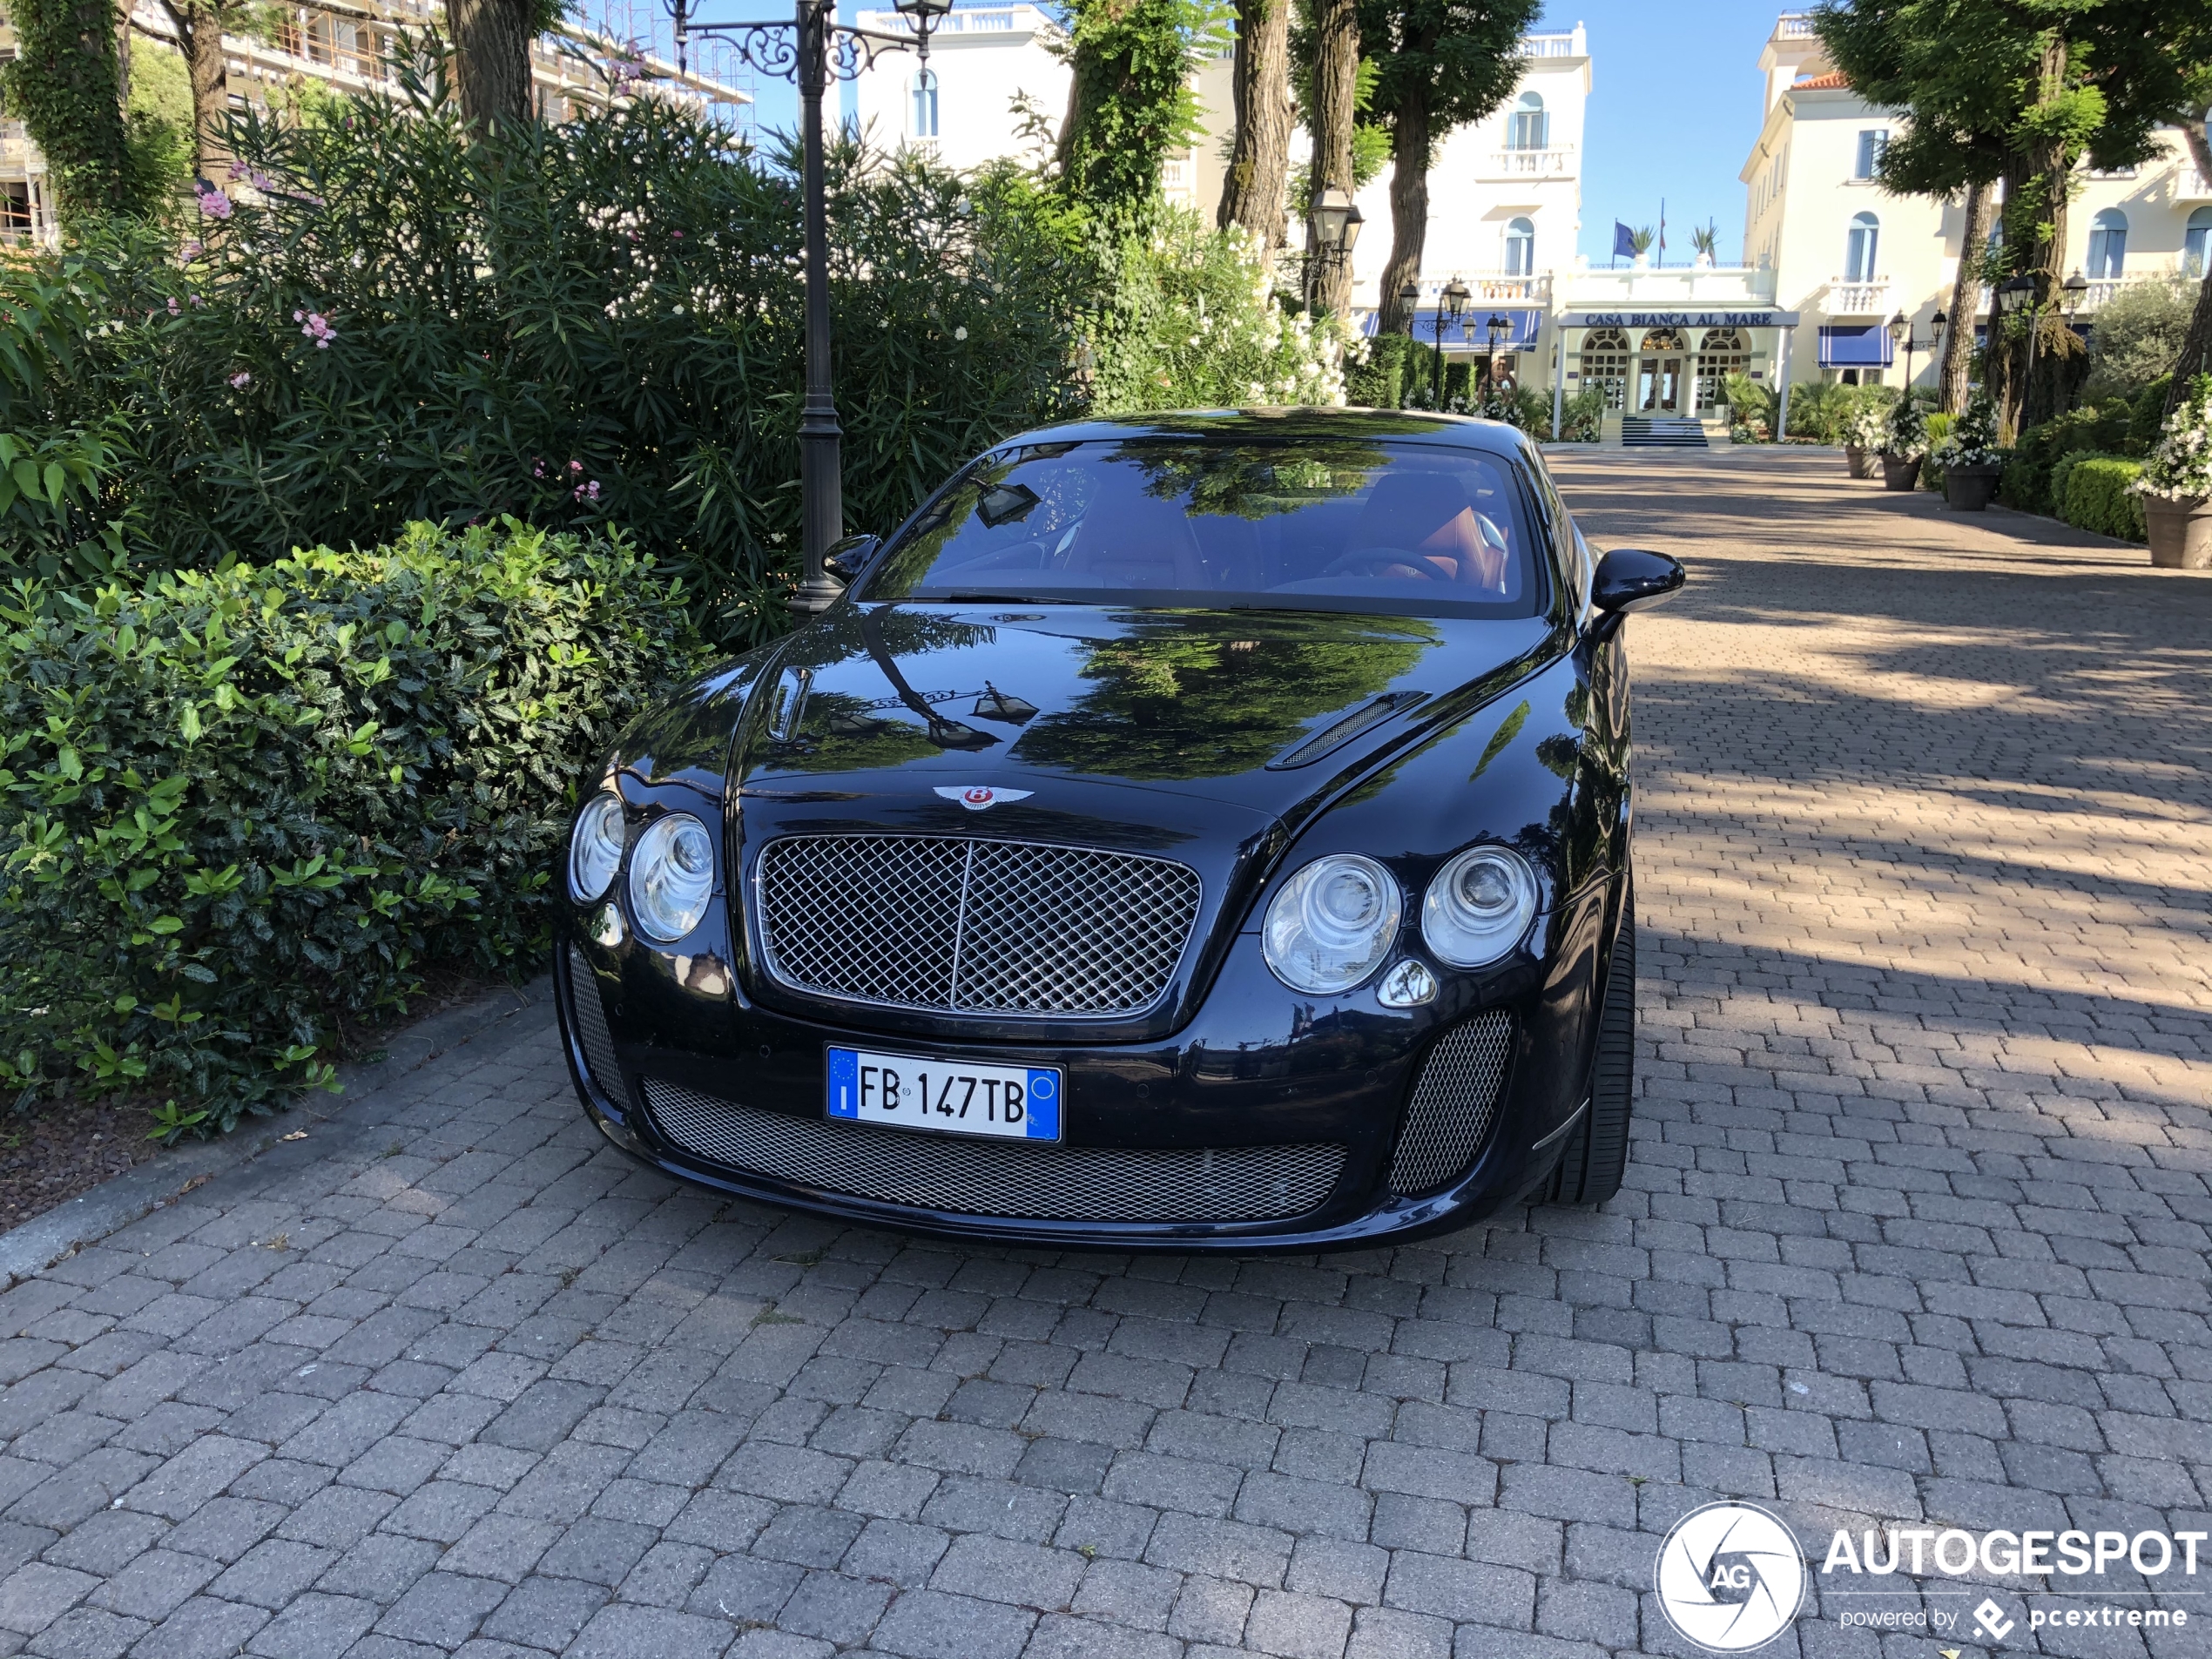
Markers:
point(1454, 1103)
point(587, 1017)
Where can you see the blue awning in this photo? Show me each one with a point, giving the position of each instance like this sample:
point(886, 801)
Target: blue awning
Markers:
point(1472, 331)
point(1856, 344)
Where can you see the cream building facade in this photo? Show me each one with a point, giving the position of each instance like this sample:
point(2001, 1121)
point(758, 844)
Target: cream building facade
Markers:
point(1849, 257)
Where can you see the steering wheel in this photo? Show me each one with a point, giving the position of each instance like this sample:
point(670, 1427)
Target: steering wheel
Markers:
point(1382, 560)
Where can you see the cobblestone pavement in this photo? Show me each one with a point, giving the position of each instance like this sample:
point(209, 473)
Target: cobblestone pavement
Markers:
point(1916, 1232)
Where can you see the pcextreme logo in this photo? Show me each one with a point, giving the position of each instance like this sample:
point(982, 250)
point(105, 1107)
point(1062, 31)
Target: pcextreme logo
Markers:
point(1730, 1577)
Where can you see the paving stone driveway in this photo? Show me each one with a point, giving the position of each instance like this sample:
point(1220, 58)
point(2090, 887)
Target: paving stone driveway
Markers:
point(1916, 1231)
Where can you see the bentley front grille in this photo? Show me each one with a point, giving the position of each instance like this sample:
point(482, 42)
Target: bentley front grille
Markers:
point(1454, 1103)
point(1018, 1180)
point(590, 1018)
point(972, 927)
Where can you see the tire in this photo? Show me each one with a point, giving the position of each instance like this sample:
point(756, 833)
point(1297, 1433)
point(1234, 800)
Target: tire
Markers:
point(1597, 1158)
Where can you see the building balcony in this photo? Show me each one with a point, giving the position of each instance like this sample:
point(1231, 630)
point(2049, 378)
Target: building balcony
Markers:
point(1528, 164)
point(1843, 298)
point(1563, 43)
point(1714, 287)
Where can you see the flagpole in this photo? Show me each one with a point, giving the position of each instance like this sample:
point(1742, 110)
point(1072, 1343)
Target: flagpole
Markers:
point(1663, 232)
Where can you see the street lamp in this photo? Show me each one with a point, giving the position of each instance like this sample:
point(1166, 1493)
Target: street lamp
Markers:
point(816, 49)
point(2076, 289)
point(1901, 331)
point(1410, 292)
point(1494, 330)
point(1333, 221)
point(1451, 302)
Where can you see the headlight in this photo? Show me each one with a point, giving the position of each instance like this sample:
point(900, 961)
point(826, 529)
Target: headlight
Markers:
point(1331, 925)
point(671, 873)
point(1479, 906)
point(594, 850)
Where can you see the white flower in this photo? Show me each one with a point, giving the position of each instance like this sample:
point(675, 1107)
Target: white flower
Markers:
point(961, 332)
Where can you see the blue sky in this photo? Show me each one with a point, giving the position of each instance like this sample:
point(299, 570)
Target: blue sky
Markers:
point(1673, 110)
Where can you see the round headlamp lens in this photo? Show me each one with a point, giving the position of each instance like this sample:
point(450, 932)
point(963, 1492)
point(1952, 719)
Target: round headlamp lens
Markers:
point(671, 876)
point(1479, 906)
point(1332, 924)
point(595, 849)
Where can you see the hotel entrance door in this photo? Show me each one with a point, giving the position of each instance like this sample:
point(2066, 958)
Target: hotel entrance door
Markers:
point(1659, 386)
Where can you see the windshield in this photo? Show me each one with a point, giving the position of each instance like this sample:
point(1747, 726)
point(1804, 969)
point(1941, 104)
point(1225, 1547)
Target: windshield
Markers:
point(1320, 524)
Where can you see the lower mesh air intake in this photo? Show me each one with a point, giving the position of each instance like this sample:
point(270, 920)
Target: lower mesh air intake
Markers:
point(588, 1015)
point(968, 1175)
point(1454, 1103)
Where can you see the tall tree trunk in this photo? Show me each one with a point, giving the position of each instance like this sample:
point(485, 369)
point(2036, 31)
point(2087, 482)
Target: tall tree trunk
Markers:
point(62, 85)
point(1409, 157)
point(491, 50)
point(199, 32)
point(1966, 296)
point(2042, 394)
point(1336, 81)
point(2196, 347)
point(2001, 358)
point(1251, 195)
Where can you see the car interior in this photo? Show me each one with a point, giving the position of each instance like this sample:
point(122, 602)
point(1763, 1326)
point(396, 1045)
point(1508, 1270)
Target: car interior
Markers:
point(1431, 523)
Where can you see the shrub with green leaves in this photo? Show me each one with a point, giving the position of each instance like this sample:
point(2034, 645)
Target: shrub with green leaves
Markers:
point(2025, 483)
point(2096, 492)
point(239, 807)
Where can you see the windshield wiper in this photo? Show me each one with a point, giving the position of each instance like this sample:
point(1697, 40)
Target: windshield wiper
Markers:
point(964, 596)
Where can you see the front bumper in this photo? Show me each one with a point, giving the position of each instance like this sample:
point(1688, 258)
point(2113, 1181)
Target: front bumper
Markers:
point(1268, 1121)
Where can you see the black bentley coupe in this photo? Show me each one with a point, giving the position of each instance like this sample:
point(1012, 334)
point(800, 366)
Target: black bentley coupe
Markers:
point(1194, 831)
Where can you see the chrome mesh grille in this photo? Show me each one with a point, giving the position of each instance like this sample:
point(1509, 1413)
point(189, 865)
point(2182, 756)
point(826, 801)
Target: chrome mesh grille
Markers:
point(1454, 1103)
point(967, 1175)
point(976, 927)
point(590, 1022)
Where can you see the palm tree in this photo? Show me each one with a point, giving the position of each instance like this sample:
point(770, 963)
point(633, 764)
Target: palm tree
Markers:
point(1706, 241)
point(1640, 239)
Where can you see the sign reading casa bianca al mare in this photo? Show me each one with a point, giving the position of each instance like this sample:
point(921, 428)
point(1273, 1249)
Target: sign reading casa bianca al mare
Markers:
point(1677, 318)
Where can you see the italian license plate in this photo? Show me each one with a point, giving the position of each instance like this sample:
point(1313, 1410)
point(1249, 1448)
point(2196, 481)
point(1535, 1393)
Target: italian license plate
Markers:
point(952, 1096)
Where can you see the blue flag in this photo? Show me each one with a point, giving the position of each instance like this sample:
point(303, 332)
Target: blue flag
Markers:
point(1623, 239)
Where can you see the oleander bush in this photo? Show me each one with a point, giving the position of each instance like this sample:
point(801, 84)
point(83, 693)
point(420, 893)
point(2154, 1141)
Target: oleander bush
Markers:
point(2092, 492)
point(240, 807)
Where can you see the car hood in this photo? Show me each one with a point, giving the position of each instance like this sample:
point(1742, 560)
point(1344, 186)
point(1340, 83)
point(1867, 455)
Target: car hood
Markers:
point(1143, 725)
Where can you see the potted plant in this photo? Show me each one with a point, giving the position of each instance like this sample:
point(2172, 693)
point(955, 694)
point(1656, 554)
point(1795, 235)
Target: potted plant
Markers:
point(1905, 440)
point(1969, 460)
point(2176, 485)
point(1865, 431)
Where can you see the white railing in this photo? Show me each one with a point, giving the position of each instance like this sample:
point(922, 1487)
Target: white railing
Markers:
point(1528, 163)
point(1560, 45)
point(1849, 299)
point(1794, 26)
point(1722, 288)
point(996, 21)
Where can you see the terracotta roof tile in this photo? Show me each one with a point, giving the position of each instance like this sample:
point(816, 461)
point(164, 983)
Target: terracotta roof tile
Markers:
point(1832, 81)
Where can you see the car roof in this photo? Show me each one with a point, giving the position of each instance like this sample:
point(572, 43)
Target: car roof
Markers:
point(1285, 425)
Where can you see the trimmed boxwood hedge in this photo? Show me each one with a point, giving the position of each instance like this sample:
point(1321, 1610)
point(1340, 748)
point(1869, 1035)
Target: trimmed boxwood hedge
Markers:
point(238, 806)
point(2093, 494)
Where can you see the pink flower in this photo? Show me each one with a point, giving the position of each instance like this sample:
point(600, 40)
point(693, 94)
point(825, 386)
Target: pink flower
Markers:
point(587, 492)
point(240, 381)
point(575, 466)
point(299, 316)
point(192, 249)
point(679, 235)
point(316, 326)
point(214, 203)
point(175, 310)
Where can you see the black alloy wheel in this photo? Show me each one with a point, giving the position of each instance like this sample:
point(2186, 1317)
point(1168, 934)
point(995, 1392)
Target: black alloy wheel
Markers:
point(1597, 1148)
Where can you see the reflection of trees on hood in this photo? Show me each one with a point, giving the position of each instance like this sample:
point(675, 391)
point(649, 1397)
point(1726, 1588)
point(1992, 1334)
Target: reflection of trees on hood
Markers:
point(1188, 704)
point(901, 631)
point(843, 734)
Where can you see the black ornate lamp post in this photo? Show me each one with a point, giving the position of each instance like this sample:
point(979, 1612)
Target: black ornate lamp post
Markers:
point(1493, 330)
point(816, 49)
point(1411, 295)
point(2012, 294)
point(1901, 331)
point(1452, 303)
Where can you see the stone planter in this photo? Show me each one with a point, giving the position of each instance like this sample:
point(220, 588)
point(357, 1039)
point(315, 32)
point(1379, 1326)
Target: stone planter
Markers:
point(1900, 472)
point(1861, 462)
point(2179, 532)
point(1969, 489)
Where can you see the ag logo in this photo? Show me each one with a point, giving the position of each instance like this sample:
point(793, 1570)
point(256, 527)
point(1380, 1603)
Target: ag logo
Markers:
point(976, 797)
point(1730, 1577)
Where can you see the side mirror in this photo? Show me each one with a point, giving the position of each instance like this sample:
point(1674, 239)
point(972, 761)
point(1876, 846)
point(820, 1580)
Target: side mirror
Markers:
point(1629, 578)
point(849, 558)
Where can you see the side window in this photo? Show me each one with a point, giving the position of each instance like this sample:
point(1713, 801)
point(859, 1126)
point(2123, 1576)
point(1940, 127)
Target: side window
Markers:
point(1571, 553)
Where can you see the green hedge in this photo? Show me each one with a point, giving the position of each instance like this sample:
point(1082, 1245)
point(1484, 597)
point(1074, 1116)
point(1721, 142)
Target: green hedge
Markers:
point(2029, 474)
point(240, 807)
point(2094, 494)
point(1378, 382)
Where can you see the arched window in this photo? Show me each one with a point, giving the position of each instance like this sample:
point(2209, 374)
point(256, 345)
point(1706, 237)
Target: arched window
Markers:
point(2107, 244)
point(1604, 364)
point(1526, 128)
point(1722, 352)
point(1862, 247)
point(1521, 247)
point(1661, 339)
point(2197, 243)
point(925, 104)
